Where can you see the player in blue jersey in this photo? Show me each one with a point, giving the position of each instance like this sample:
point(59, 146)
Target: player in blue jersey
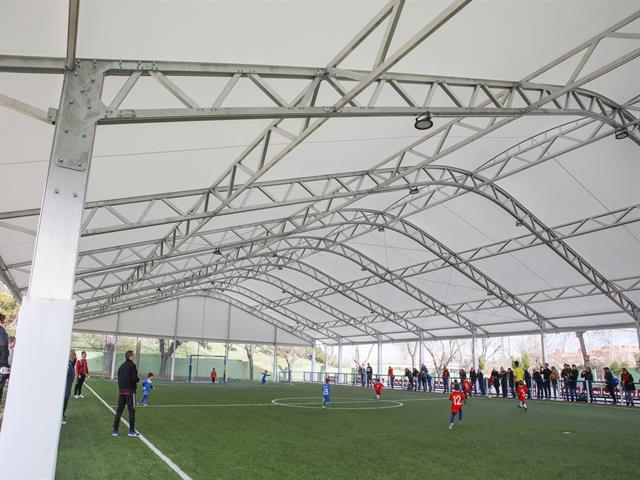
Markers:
point(264, 377)
point(326, 391)
point(147, 385)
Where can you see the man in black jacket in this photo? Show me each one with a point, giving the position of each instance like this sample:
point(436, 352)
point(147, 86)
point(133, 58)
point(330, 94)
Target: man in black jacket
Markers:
point(4, 354)
point(127, 384)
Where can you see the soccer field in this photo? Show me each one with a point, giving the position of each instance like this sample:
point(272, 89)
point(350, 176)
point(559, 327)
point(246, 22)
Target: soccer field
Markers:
point(279, 431)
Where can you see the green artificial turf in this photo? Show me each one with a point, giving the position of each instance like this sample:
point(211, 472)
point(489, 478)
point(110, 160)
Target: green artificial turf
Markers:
point(266, 441)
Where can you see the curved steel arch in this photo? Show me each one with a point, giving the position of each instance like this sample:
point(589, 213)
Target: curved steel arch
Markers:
point(227, 282)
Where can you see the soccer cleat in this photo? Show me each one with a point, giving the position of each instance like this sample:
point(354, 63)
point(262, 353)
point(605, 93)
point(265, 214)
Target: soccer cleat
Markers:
point(450, 425)
point(64, 421)
point(459, 422)
point(525, 408)
point(81, 396)
point(133, 433)
point(114, 433)
point(76, 397)
point(323, 406)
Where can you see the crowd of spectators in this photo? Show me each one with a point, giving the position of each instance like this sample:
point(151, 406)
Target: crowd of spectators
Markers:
point(544, 382)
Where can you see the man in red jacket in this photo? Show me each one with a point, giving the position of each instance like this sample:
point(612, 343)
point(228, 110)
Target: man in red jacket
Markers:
point(82, 372)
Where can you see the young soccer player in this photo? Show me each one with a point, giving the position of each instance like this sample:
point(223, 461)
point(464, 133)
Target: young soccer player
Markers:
point(377, 386)
point(264, 377)
point(457, 398)
point(326, 391)
point(522, 395)
point(214, 375)
point(147, 385)
point(466, 388)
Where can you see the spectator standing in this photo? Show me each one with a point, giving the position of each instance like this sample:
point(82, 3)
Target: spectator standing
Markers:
point(82, 372)
point(587, 383)
point(495, 380)
point(416, 378)
point(446, 376)
point(504, 379)
point(573, 386)
point(566, 380)
point(462, 374)
point(4, 353)
point(423, 377)
point(391, 377)
point(71, 375)
point(546, 379)
point(537, 377)
point(629, 389)
point(473, 376)
point(6, 371)
point(528, 382)
point(481, 383)
point(363, 375)
point(127, 384)
point(512, 386)
point(429, 379)
point(518, 372)
point(409, 374)
point(610, 381)
point(369, 376)
point(554, 382)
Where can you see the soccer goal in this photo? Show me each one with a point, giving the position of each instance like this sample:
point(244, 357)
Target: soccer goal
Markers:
point(200, 367)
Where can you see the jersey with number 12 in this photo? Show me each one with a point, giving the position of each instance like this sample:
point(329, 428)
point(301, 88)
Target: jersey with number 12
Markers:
point(456, 398)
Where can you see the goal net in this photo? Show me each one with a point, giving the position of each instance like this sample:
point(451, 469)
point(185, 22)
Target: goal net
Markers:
point(200, 367)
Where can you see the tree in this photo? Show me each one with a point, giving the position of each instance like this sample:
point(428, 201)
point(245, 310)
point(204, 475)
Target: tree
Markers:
point(9, 306)
point(412, 350)
point(488, 350)
point(525, 360)
point(636, 357)
point(250, 348)
point(356, 356)
point(583, 348)
point(290, 354)
point(166, 354)
point(442, 354)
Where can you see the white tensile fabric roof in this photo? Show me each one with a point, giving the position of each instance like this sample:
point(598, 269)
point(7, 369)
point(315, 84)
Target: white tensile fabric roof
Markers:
point(487, 224)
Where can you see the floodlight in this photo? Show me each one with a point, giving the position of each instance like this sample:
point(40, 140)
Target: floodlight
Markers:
point(621, 133)
point(423, 122)
point(414, 190)
point(381, 229)
point(217, 252)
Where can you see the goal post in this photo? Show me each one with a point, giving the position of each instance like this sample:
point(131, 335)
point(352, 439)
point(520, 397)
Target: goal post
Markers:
point(200, 367)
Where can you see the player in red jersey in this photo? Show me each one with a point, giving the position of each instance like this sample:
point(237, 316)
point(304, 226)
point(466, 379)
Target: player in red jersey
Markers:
point(377, 386)
point(466, 388)
point(522, 395)
point(457, 399)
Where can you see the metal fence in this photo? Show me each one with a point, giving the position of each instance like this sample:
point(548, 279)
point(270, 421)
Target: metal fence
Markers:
point(598, 392)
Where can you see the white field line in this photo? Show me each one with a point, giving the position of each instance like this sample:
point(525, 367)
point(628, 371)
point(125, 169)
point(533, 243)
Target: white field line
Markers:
point(144, 439)
point(213, 405)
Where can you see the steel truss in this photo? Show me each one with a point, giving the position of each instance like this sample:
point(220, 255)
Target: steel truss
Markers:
point(443, 96)
point(458, 180)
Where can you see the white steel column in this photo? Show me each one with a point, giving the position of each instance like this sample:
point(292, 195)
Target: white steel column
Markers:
point(420, 358)
point(339, 379)
point(326, 361)
point(313, 361)
point(542, 344)
point(379, 355)
point(175, 341)
point(274, 374)
point(31, 427)
point(473, 350)
point(113, 357)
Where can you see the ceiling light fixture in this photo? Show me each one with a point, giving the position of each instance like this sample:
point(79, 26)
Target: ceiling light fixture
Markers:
point(381, 228)
point(414, 190)
point(423, 122)
point(217, 252)
point(621, 133)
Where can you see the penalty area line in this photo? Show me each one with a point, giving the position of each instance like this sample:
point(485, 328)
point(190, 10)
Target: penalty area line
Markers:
point(144, 439)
